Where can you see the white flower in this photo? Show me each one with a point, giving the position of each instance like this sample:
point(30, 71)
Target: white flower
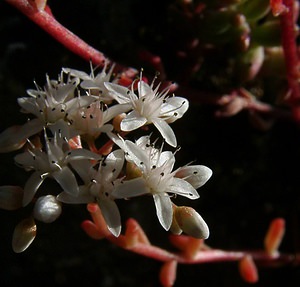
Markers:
point(92, 120)
point(53, 162)
point(92, 82)
point(50, 106)
point(159, 180)
point(149, 107)
point(99, 186)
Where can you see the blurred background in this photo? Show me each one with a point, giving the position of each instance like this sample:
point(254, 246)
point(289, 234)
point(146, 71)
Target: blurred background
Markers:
point(255, 172)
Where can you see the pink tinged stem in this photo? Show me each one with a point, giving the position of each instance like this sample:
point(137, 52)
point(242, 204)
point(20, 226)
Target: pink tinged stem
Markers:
point(48, 23)
point(291, 56)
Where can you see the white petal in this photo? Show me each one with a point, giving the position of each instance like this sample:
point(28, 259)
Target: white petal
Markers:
point(113, 164)
point(76, 73)
point(115, 110)
point(138, 155)
point(164, 209)
point(29, 105)
point(182, 187)
point(144, 89)
point(83, 197)
point(166, 132)
point(167, 159)
point(13, 138)
point(31, 187)
point(84, 168)
point(66, 179)
point(132, 121)
point(196, 175)
point(111, 215)
point(91, 84)
point(81, 153)
point(121, 94)
point(79, 102)
point(174, 108)
point(131, 188)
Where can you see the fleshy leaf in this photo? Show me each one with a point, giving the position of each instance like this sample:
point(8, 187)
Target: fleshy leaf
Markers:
point(23, 235)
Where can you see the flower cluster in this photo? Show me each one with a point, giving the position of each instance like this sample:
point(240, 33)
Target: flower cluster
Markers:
point(68, 119)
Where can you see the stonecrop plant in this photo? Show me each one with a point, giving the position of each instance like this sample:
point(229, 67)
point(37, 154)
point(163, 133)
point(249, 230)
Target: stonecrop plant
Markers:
point(67, 118)
point(106, 135)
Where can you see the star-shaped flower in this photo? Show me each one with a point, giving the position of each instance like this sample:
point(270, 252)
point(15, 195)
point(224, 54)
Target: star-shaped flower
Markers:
point(50, 106)
point(54, 163)
point(92, 82)
point(158, 179)
point(99, 185)
point(149, 106)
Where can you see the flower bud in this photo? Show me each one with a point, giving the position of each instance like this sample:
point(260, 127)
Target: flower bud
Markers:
point(47, 209)
point(191, 222)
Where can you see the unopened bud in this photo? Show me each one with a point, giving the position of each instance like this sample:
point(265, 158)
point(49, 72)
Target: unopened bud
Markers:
point(47, 209)
point(191, 222)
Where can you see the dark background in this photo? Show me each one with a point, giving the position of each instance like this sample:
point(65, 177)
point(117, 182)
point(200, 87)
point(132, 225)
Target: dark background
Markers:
point(256, 174)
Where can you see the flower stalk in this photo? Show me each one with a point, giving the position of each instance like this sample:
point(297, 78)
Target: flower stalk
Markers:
point(192, 250)
point(44, 19)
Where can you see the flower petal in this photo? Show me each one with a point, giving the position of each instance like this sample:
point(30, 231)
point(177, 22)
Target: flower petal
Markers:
point(131, 188)
point(81, 153)
point(115, 110)
point(138, 155)
point(113, 165)
point(132, 121)
point(83, 197)
point(111, 215)
point(196, 175)
point(164, 209)
point(174, 108)
point(182, 187)
point(66, 179)
point(166, 131)
point(121, 94)
point(31, 186)
point(76, 73)
point(13, 138)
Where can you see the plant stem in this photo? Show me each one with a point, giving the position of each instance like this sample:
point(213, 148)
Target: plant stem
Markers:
point(47, 22)
point(291, 56)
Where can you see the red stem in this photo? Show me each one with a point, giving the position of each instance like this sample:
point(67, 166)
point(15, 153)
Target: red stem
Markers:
point(48, 23)
point(291, 56)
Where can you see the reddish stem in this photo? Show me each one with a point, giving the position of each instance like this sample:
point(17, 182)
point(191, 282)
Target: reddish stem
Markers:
point(291, 56)
point(48, 23)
